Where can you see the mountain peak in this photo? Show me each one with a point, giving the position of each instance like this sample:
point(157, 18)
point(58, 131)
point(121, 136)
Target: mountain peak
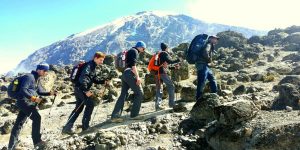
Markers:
point(158, 13)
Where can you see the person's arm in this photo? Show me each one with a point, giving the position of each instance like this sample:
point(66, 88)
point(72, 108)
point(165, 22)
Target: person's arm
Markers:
point(206, 54)
point(85, 80)
point(169, 59)
point(134, 68)
point(24, 86)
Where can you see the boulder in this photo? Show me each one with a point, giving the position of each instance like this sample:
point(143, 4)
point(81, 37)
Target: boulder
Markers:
point(203, 110)
point(182, 73)
point(240, 90)
point(188, 93)
point(288, 96)
point(235, 112)
point(47, 82)
point(292, 79)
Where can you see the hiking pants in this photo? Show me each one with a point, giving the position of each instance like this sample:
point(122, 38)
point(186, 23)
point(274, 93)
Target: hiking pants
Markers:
point(129, 81)
point(203, 73)
point(164, 78)
point(26, 111)
point(81, 98)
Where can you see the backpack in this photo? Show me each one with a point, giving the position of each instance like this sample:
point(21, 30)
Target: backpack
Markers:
point(14, 87)
point(120, 61)
point(76, 71)
point(194, 52)
point(154, 63)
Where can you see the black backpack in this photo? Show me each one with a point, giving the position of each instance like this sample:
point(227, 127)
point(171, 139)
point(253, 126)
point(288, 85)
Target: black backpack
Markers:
point(120, 61)
point(14, 87)
point(194, 52)
point(76, 71)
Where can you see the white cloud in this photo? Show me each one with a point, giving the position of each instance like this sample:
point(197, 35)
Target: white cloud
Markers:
point(257, 14)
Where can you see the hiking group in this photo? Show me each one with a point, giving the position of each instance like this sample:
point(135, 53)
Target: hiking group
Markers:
point(26, 90)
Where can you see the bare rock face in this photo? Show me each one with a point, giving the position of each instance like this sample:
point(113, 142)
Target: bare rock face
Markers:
point(235, 112)
point(288, 96)
point(267, 131)
point(182, 73)
point(47, 82)
point(188, 93)
point(203, 110)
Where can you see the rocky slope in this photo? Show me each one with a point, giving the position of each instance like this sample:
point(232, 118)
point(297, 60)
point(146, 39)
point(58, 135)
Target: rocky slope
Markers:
point(257, 106)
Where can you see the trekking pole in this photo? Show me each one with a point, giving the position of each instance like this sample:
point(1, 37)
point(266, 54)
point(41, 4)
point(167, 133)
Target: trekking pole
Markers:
point(52, 105)
point(105, 86)
point(74, 112)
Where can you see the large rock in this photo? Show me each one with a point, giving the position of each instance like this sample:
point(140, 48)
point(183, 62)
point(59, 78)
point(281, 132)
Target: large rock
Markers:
point(292, 79)
point(149, 78)
point(235, 112)
point(109, 60)
point(188, 93)
point(203, 110)
point(267, 131)
point(182, 73)
point(149, 92)
point(47, 82)
point(288, 96)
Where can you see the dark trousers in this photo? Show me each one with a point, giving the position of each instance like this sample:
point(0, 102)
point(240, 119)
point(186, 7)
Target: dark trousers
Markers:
point(26, 111)
point(204, 73)
point(129, 81)
point(81, 98)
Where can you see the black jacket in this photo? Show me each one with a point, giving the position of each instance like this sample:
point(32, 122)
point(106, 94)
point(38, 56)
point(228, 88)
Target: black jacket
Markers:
point(88, 76)
point(132, 57)
point(164, 57)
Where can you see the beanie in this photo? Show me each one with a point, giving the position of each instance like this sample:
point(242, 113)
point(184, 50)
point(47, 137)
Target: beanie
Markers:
point(140, 44)
point(163, 46)
point(43, 66)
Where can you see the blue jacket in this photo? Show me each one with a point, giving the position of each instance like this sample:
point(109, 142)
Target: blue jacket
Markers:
point(28, 87)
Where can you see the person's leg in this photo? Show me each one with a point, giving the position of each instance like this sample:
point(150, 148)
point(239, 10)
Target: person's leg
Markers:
point(77, 110)
point(36, 126)
point(201, 77)
point(158, 92)
point(21, 118)
point(130, 79)
point(87, 113)
point(212, 81)
point(170, 88)
point(120, 102)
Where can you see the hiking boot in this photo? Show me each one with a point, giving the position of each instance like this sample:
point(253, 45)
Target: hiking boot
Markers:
point(117, 120)
point(137, 118)
point(68, 131)
point(41, 145)
point(158, 108)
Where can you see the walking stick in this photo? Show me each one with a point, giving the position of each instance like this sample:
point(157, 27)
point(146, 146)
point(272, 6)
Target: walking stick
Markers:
point(52, 105)
point(105, 86)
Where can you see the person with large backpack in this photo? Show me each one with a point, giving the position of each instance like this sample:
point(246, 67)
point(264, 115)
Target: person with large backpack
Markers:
point(130, 80)
point(159, 66)
point(86, 77)
point(204, 57)
point(26, 90)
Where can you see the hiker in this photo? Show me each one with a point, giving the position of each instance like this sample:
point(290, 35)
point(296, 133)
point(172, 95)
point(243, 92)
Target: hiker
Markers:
point(27, 100)
point(130, 79)
point(86, 77)
point(161, 76)
point(203, 70)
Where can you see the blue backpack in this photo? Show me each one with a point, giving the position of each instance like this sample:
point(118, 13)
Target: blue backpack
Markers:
point(194, 52)
point(14, 87)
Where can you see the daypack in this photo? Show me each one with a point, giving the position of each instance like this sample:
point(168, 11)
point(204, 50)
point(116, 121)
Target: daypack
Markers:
point(154, 63)
point(76, 71)
point(120, 61)
point(14, 87)
point(193, 54)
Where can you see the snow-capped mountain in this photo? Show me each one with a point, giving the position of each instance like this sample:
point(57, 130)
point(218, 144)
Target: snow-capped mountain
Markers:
point(151, 27)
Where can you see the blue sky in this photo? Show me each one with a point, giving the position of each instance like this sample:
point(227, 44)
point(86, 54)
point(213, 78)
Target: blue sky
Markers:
point(27, 25)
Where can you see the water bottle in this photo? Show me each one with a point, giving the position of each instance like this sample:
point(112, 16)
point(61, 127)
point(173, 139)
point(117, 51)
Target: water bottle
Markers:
point(15, 85)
